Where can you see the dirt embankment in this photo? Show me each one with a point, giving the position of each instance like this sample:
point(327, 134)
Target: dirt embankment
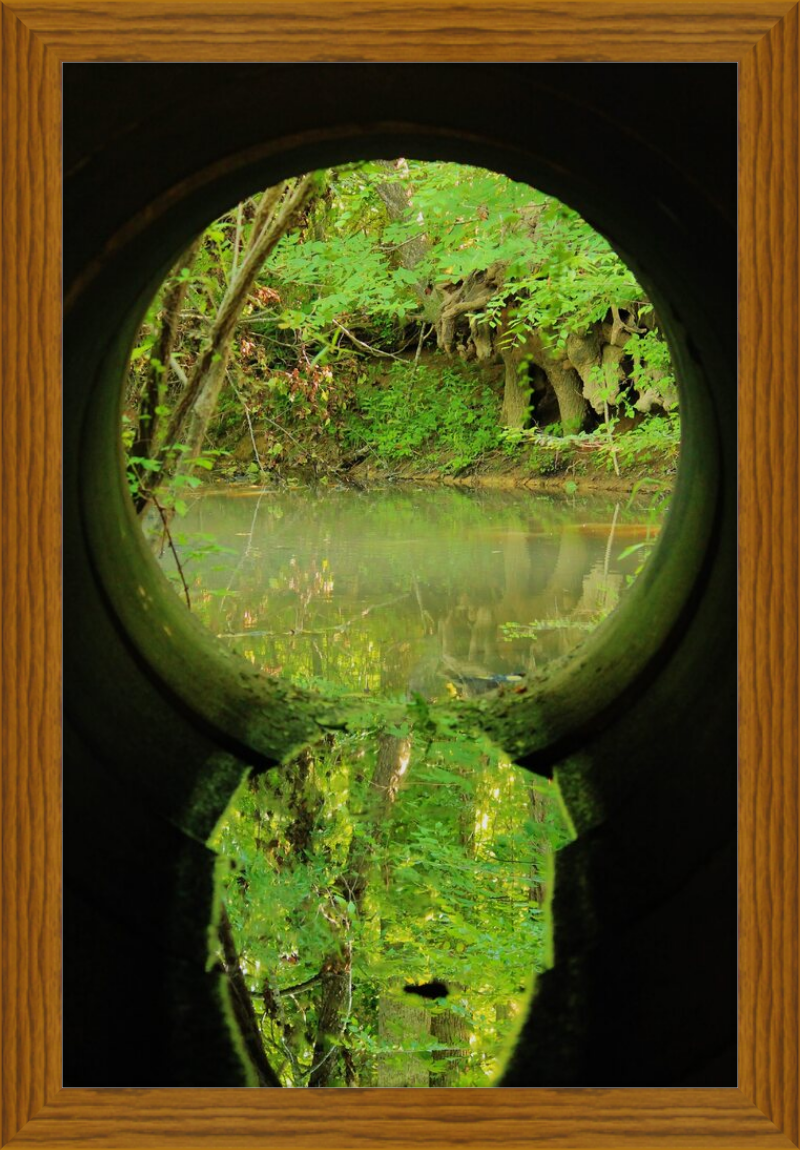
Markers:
point(571, 470)
point(543, 463)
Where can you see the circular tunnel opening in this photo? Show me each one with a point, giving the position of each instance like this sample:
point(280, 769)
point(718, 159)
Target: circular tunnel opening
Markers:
point(662, 595)
point(234, 718)
point(495, 344)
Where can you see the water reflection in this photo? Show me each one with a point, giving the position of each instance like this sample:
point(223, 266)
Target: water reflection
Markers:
point(378, 859)
point(435, 591)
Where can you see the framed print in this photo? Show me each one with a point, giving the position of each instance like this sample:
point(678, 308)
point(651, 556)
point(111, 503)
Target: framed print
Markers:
point(164, 116)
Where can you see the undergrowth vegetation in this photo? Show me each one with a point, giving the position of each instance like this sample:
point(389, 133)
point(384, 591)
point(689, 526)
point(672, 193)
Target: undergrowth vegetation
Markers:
point(431, 415)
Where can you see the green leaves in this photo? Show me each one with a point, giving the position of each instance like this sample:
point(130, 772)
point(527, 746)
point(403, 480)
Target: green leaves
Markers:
point(440, 417)
point(144, 464)
point(447, 894)
point(141, 350)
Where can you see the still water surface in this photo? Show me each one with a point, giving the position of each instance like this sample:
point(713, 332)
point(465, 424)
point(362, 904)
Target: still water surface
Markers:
point(408, 589)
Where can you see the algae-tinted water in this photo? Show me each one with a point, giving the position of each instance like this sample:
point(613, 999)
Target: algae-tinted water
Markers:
point(408, 589)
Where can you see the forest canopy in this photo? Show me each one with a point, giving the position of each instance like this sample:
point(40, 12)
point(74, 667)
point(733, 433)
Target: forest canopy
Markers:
point(400, 310)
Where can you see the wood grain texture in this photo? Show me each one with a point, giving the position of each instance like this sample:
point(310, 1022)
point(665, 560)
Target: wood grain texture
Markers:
point(380, 30)
point(768, 618)
point(763, 1112)
point(30, 468)
point(398, 1119)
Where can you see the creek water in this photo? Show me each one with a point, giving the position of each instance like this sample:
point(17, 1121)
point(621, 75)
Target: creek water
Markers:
point(408, 588)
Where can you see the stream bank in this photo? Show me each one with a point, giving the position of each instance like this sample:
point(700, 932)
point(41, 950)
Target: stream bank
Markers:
point(566, 469)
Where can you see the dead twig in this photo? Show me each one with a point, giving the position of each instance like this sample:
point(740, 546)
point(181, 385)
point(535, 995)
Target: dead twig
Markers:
point(366, 347)
point(168, 534)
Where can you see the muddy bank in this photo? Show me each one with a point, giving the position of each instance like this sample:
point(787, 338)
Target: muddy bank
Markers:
point(506, 481)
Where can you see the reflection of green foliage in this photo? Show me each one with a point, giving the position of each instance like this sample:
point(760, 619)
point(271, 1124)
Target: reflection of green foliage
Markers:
point(532, 629)
point(451, 877)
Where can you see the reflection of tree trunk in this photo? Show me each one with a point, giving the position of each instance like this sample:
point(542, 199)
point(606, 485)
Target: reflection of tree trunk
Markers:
point(317, 664)
point(566, 583)
point(541, 805)
point(402, 1024)
point(399, 1021)
point(502, 1014)
point(336, 991)
point(517, 569)
point(452, 1031)
point(483, 639)
point(390, 765)
point(455, 632)
point(242, 1005)
point(304, 804)
point(601, 592)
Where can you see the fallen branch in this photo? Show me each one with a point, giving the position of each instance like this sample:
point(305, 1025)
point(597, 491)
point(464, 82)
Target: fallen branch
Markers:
point(366, 347)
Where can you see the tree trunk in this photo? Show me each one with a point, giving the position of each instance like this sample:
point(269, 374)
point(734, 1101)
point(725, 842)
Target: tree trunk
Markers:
point(585, 355)
point(395, 196)
point(564, 380)
point(277, 214)
point(515, 413)
point(572, 406)
point(159, 361)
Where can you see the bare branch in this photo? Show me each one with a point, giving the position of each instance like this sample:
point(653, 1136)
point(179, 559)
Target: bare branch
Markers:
point(168, 534)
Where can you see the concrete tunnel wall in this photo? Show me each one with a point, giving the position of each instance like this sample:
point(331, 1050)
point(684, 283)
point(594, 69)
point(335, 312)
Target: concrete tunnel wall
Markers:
point(638, 727)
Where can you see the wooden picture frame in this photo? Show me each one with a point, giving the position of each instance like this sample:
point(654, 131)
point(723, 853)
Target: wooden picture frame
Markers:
point(37, 36)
